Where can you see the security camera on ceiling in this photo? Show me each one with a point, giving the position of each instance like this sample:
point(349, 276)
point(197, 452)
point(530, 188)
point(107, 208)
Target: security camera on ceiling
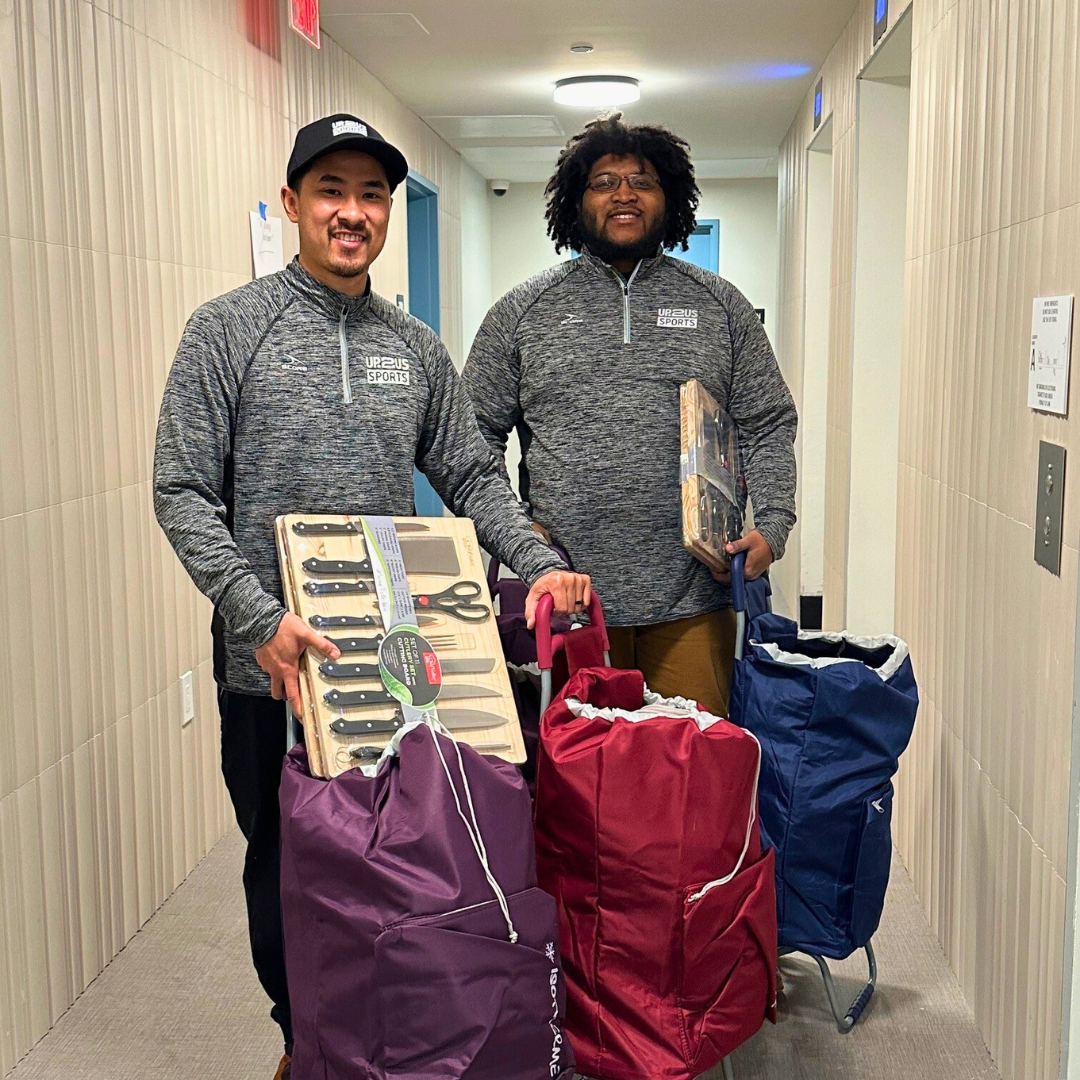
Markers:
point(499, 187)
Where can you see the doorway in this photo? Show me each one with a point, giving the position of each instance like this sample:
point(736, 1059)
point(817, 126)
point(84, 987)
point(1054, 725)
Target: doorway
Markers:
point(422, 214)
point(704, 246)
point(883, 93)
point(817, 299)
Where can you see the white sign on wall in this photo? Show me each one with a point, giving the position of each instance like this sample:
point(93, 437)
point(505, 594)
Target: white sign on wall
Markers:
point(267, 253)
point(1051, 339)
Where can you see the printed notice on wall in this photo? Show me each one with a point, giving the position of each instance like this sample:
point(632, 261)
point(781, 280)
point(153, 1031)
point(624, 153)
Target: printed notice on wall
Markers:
point(1051, 340)
point(267, 254)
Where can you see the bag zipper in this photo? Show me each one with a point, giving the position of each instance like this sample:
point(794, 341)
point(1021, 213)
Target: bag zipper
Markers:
point(626, 304)
point(346, 384)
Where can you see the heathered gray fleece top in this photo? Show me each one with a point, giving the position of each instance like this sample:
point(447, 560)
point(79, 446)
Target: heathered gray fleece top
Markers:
point(587, 367)
point(288, 397)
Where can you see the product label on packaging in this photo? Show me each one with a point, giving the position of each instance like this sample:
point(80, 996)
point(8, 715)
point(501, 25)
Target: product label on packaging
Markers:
point(409, 668)
point(406, 671)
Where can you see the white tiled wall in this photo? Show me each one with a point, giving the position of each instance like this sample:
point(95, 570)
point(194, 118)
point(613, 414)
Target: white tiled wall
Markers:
point(135, 135)
point(993, 220)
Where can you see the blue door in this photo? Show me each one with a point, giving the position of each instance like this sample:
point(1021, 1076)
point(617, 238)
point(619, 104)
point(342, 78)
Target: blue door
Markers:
point(704, 248)
point(422, 203)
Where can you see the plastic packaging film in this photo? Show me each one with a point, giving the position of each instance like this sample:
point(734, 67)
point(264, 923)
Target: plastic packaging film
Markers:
point(711, 484)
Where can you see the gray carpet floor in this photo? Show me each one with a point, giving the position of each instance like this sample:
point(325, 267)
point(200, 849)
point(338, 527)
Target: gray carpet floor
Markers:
point(181, 1001)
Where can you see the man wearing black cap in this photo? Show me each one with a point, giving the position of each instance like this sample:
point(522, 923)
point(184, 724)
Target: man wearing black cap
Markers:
point(306, 392)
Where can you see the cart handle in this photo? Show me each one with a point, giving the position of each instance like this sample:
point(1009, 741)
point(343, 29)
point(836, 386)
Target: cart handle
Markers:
point(738, 581)
point(546, 644)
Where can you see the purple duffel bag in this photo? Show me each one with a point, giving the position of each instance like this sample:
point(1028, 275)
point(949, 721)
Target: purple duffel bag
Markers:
point(417, 943)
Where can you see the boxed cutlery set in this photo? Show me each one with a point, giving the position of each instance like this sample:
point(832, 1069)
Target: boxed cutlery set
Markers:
point(407, 603)
point(711, 481)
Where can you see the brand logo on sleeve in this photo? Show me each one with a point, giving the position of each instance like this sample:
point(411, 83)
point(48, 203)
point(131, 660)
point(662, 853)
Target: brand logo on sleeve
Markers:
point(388, 370)
point(348, 127)
point(682, 318)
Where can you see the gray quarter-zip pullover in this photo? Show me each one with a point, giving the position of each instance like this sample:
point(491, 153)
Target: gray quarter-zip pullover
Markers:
point(587, 367)
point(288, 397)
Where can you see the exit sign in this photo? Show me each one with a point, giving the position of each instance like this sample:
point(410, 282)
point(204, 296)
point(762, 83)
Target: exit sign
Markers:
point(304, 19)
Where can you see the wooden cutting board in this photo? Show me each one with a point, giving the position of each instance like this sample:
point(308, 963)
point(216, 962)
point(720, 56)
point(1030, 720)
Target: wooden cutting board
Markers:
point(328, 752)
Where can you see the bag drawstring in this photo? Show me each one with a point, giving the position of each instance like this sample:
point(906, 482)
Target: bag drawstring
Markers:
point(749, 831)
point(473, 827)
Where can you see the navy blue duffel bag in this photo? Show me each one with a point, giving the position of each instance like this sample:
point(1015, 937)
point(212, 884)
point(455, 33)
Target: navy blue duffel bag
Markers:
point(833, 713)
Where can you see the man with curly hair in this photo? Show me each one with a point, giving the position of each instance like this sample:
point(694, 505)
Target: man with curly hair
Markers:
point(585, 360)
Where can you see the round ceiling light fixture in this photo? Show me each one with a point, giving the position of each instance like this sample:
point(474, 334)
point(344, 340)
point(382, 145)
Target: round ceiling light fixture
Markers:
point(581, 47)
point(596, 91)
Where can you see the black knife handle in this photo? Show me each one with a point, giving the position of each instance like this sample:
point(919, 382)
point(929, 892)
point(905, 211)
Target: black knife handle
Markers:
point(333, 622)
point(341, 726)
point(327, 528)
point(335, 588)
point(357, 644)
point(344, 699)
point(330, 567)
point(349, 671)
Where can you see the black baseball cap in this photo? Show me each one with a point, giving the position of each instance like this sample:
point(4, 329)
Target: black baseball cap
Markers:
point(343, 131)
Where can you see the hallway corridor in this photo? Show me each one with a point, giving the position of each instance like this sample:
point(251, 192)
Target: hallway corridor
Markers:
point(181, 1003)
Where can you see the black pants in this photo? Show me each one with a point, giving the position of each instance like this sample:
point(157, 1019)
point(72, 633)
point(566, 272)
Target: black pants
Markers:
point(252, 749)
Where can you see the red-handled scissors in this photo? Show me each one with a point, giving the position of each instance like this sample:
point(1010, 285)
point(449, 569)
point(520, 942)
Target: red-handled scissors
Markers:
point(456, 601)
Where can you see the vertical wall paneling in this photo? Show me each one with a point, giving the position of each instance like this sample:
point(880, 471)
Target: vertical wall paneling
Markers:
point(993, 219)
point(135, 136)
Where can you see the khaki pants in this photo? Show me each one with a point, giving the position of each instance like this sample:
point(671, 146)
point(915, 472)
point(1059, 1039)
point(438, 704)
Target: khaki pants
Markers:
point(689, 658)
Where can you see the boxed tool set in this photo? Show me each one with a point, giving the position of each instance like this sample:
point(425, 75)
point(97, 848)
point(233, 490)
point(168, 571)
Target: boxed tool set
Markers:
point(406, 601)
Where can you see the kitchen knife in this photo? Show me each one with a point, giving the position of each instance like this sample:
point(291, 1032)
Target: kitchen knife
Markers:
point(335, 588)
point(371, 644)
point(384, 726)
point(341, 622)
point(346, 699)
point(453, 719)
point(421, 554)
point(469, 666)
point(347, 528)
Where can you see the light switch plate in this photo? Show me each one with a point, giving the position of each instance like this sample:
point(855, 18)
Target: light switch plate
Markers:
point(1049, 506)
point(187, 698)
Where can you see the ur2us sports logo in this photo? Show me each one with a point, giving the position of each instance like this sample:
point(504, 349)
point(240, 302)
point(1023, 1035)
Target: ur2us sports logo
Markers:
point(682, 318)
point(388, 369)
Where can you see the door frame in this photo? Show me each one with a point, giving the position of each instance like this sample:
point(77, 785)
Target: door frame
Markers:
point(422, 217)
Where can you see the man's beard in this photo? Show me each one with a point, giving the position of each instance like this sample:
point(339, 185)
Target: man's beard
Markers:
point(346, 269)
point(349, 267)
point(608, 251)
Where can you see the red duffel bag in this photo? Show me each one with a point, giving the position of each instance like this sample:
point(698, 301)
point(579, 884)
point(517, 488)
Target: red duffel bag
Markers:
point(647, 837)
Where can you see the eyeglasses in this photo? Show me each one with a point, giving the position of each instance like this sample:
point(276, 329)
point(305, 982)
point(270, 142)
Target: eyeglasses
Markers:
point(606, 183)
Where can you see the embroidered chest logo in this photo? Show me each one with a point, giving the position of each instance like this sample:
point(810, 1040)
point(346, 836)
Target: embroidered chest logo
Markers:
point(571, 320)
point(682, 318)
point(388, 370)
point(290, 364)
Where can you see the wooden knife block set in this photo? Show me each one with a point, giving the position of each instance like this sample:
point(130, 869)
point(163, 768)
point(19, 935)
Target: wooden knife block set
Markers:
point(328, 586)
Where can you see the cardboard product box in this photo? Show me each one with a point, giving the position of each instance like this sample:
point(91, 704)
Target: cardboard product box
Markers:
point(711, 483)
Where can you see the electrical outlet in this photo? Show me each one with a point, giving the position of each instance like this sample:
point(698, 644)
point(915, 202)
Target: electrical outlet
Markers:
point(187, 698)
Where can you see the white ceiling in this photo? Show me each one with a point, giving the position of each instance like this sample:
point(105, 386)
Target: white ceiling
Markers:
point(727, 75)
